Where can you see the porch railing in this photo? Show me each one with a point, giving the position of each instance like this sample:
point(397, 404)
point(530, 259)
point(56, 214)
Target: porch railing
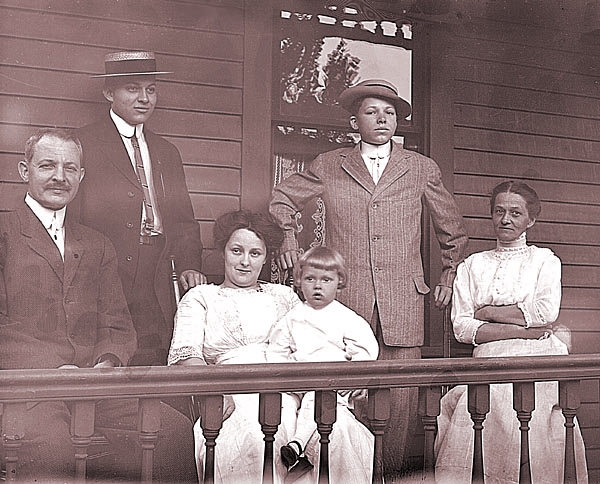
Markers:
point(84, 387)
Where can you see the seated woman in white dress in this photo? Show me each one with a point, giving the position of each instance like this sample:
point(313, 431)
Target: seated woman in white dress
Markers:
point(505, 301)
point(229, 324)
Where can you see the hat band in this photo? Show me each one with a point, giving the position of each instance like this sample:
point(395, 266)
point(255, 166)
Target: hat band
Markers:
point(134, 66)
point(389, 88)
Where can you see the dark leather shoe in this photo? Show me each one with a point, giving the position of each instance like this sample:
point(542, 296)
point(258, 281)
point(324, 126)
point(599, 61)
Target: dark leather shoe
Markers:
point(295, 472)
point(288, 455)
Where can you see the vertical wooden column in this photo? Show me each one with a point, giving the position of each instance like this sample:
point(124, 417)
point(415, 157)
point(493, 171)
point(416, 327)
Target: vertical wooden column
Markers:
point(524, 404)
point(211, 421)
point(12, 435)
point(479, 406)
point(148, 428)
point(269, 417)
point(568, 399)
point(429, 409)
point(82, 429)
point(378, 414)
point(325, 415)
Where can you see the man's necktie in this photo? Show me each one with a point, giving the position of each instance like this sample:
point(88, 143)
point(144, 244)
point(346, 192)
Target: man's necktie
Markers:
point(148, 223)
point(376, 164)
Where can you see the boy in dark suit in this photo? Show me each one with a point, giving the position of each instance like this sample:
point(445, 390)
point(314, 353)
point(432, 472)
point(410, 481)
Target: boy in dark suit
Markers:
point(135, 194)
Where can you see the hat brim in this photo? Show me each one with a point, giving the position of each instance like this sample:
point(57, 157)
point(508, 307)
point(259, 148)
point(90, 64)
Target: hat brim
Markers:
point(353, 94)
point(133, 74)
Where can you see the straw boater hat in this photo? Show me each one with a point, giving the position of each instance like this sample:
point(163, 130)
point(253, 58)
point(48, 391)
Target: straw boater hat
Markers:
point(118, 64)
point(374, 88)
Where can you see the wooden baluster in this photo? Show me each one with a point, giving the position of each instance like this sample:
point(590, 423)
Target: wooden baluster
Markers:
point(479, 406)
point(148, 428)
point(325, 414)
point(269, 417)
point(568, 399)
point(12, 436)
point(378, 414)
point(429, 409)
point(211, 421)
point(524, 404)
point(82, 429)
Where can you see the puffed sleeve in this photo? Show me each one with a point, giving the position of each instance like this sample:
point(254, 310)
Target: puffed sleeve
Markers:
point(189, 329)
point(281, 344)
point(463, 306)
point(360, 341)
point(543, 305)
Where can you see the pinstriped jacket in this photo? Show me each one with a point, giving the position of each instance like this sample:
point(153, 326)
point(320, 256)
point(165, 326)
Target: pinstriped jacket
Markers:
point(377, 229)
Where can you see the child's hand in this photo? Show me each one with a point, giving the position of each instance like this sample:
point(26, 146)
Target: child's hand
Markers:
point(354, 394)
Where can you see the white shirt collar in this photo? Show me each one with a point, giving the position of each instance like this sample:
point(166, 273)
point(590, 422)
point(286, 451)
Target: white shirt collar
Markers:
point(124, 128)
point(45, 215)
point(375, 151)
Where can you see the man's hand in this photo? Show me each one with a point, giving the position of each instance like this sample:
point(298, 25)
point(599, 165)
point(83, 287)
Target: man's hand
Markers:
point(287, 259)
point(442, 296)
point(191, 278)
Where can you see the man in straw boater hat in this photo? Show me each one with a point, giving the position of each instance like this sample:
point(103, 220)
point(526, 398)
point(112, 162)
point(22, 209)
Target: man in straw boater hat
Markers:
point(135, 193)
point(374, 195)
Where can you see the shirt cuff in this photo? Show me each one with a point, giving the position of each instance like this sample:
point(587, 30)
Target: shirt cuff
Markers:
point(526, 314)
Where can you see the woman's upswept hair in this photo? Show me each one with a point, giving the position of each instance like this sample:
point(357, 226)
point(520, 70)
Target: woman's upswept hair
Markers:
point(265, 228)
point(322, 258)
point(534, 206)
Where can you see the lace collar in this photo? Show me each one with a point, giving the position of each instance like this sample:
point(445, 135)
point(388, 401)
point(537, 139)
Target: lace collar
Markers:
point(520, 247)
point(241, 290)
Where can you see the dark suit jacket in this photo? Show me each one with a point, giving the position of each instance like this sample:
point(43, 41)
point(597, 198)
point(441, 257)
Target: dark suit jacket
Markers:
point(110, 201)
point(53, 312)
point(377, 229)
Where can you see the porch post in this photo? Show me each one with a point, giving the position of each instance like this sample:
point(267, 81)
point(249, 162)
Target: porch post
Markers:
point(568, 399)
point(479, 406)
point(524, 404)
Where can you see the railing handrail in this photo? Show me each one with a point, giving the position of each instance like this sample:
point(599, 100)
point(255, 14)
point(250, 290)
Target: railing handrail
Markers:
point(91, 384)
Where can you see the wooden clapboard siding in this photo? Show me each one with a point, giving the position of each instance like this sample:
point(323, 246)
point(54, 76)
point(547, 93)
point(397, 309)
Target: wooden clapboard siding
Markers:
point(515, 96)
point(50, 48)
point(551, 143)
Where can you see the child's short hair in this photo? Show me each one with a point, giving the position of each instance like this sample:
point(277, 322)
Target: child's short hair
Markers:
point(322, 258)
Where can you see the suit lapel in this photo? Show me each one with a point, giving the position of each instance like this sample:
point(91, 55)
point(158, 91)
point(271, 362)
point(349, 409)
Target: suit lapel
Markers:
point(355, 166)
point(396, 167)
point(112, 145)
point(74, 252)
point(39, 240)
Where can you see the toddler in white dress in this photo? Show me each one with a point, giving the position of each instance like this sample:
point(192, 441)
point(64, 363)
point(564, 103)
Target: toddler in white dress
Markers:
point(320, 329)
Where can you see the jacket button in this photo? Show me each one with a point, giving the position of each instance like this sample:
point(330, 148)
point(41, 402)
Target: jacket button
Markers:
point(129, 258)
point(375, 238)
point(129, 225)
point(375, 205)
point(130, 194)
